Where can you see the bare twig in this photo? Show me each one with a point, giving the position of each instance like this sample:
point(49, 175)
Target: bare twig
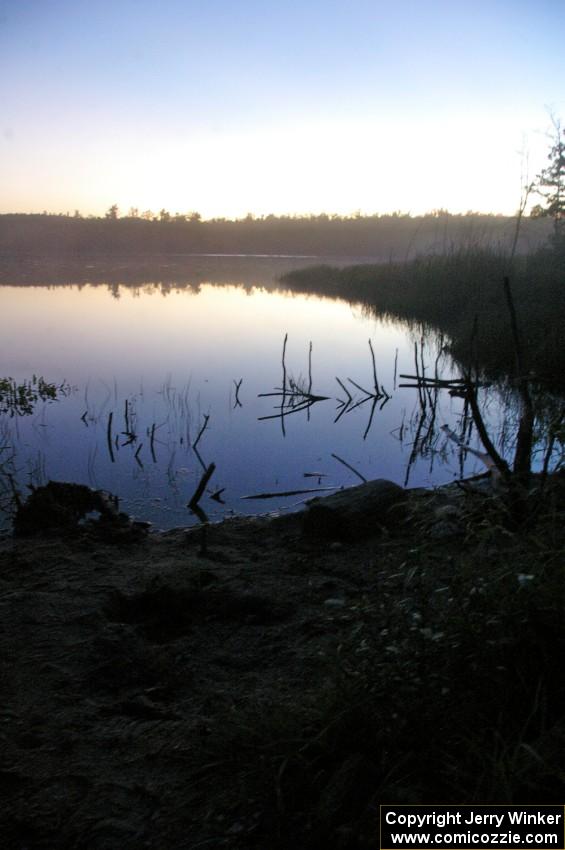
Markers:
point(376, 383)
point(200, 460)
point(345, 390)
point(499, 462)
point(206, 420)
point(351, 468)
point(201, 486)
point(370, 422)
point(283, 360)
point(284, 413)
point(109, 436)
point(288, 493)
point(524, 441)
point(359, 387)
point(283, 384)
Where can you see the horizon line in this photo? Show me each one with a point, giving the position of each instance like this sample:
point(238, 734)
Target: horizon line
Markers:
point(165, 216)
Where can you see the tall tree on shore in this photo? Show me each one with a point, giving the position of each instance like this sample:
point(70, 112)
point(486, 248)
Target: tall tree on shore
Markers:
point(551, 182)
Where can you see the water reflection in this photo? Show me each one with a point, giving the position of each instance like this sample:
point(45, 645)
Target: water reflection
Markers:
point(272, 390)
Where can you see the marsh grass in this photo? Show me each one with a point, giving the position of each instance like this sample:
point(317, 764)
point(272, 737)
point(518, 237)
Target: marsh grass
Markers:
point(456, 291)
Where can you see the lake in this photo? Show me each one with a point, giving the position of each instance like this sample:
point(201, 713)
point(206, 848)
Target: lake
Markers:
point(144, 367)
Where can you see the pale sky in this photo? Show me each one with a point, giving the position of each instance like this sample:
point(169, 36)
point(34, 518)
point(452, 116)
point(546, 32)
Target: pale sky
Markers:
point(293, 106)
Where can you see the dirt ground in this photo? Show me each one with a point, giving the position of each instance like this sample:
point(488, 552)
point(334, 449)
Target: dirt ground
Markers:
point(124, 664)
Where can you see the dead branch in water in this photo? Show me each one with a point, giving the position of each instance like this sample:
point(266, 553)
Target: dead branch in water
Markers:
point(294, 398)
point(351, 468)
point(201, 486)
point(288, 493)
point(345, 390)
point(200, 460)
point(377, 394)
point(109, 436)
point(136, 455)
point(203, 517)
point(376, 383)
point(524, 442)
point(283, 384)
point(206, 420)
point(483, 456)
point(283, 361)
point(499, 462)
point(284, 413)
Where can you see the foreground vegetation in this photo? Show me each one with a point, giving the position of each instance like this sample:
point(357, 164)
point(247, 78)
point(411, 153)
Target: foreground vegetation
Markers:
point(449, 686)
point(270, 689)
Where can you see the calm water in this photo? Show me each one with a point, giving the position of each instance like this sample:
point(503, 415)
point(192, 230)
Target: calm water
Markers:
point(176, 356)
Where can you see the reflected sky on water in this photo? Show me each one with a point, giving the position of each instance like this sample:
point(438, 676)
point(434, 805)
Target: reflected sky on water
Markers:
point(177, 358)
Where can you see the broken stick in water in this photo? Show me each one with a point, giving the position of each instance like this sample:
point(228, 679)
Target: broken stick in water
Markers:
point(288, 493)
point(483, 456)
point(348, 465)
point(109, 437)
point(206, 418)
point(201, 486)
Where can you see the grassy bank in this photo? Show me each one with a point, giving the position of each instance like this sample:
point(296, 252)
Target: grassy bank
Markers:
point(451, 292)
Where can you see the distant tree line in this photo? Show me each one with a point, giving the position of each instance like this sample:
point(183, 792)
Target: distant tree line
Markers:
point(396, 236)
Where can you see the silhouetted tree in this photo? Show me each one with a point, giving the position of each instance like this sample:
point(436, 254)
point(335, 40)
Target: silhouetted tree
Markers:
point(551, 181)
point(112, 213)
point(164, 215)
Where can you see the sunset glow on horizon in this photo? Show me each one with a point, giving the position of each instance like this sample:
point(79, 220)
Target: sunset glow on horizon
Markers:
point(286, 108)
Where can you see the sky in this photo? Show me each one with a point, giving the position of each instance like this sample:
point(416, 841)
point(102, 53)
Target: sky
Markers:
point(229, 107)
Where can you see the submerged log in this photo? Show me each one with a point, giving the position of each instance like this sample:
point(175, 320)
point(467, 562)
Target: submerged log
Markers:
point(356, 512)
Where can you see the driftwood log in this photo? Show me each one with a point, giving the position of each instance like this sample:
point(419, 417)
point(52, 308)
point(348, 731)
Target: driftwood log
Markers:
point(356, 512)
